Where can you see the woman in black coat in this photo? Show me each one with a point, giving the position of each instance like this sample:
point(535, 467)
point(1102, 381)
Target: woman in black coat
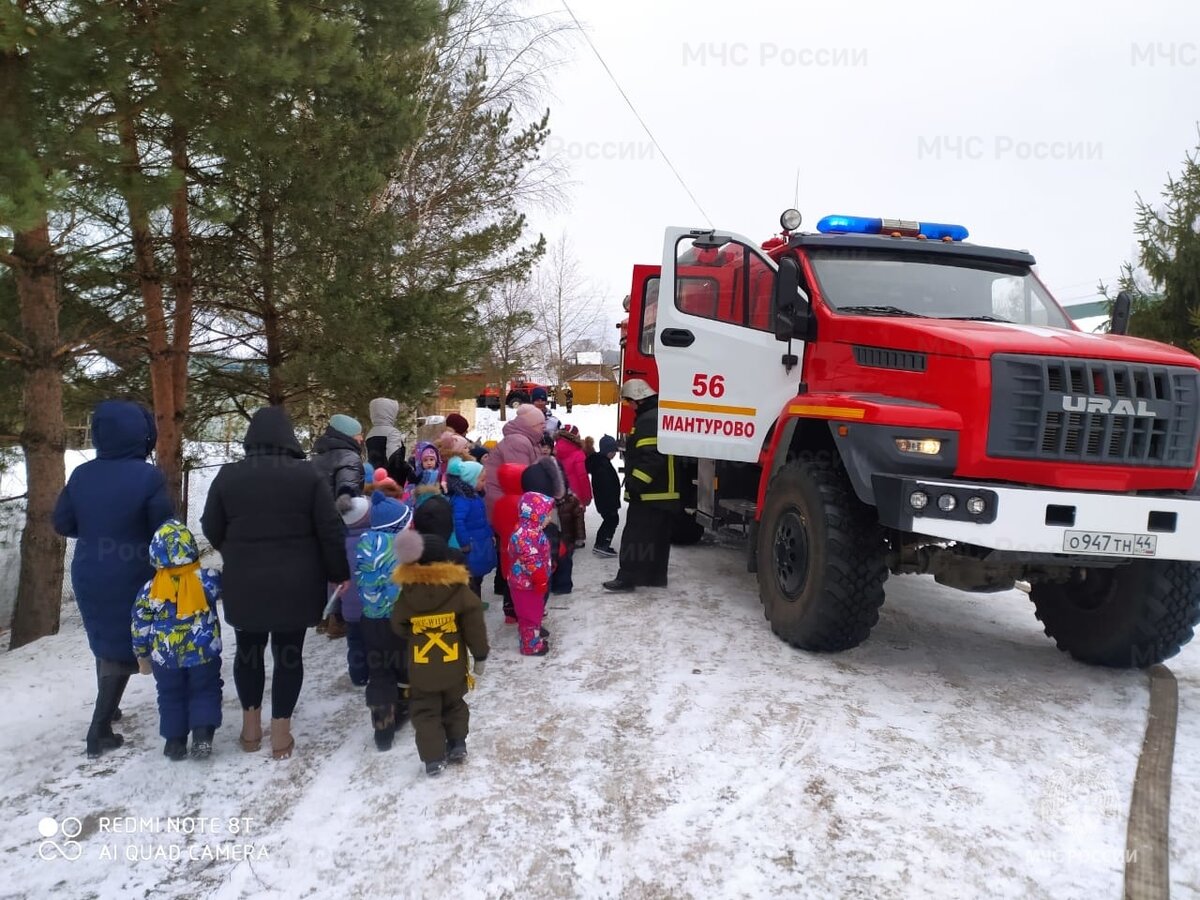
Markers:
point(273, 520)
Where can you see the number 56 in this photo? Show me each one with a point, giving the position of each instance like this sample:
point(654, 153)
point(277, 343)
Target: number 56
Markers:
point(712, 385)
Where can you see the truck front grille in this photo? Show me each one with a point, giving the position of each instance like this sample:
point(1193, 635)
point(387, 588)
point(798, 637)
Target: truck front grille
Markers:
point(1093, 411)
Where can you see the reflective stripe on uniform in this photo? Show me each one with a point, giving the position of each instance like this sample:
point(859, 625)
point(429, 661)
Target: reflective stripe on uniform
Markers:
point(665, 496)
point(646, 442)
point(641, 476)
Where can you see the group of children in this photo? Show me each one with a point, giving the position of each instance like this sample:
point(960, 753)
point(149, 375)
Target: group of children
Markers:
point(419, 542)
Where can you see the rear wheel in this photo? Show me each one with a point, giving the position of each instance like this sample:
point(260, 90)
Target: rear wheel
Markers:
point(685, 530)
point(1127, 618)
point(480, 401)
point(515, 399)
point(820, 554)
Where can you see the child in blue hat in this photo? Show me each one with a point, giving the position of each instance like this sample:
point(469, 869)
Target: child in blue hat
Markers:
point(387, 667)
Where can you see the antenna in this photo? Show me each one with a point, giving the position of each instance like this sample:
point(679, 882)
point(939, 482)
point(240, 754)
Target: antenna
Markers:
point(796, 199)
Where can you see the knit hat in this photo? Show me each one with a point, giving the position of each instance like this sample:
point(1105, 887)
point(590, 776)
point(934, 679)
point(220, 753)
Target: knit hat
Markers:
point(388, 514)
point(357, 510)
point(469, 471)
point(454, 444)
point(414, 547)
point(608, 444)
point(479, 453)
point(544, 477)
point(458, 423)
point(539, 393)
point(384, 482)
point(409, 547)
point(435, 516)
point(454, 467)
point(531, 416)
point(346, 425)
point(571, 433)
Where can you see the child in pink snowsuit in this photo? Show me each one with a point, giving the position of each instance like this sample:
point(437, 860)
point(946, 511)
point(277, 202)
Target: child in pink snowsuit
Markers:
point(529, 570)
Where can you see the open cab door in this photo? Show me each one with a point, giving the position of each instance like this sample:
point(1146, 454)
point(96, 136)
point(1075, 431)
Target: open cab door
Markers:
point(726, 344)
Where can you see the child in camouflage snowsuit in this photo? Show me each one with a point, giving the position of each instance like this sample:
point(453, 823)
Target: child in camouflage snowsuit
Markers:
point(441, 618)
point(177, 636)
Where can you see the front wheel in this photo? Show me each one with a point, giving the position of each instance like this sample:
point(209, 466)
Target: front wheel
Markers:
point(820, 556)
point(1127, 618)
point(515, 399)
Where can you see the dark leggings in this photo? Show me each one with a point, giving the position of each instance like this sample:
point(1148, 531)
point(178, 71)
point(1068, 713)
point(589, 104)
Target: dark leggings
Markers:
point(249, 675)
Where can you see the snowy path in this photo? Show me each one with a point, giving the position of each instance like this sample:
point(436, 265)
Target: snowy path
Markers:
point(669, 747)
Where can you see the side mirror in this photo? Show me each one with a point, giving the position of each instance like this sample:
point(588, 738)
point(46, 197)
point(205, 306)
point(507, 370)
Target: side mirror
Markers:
point(789, 317)
point(1122, 307)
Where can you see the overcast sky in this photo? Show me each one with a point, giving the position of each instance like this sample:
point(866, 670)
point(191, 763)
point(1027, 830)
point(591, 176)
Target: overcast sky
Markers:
point(1032, 123)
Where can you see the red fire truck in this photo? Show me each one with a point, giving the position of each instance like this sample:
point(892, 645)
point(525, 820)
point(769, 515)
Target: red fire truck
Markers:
point(880, 396)
point(520, 390)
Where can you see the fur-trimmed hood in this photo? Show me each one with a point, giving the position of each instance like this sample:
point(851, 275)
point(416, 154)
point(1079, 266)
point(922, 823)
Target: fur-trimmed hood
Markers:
point(442, 574)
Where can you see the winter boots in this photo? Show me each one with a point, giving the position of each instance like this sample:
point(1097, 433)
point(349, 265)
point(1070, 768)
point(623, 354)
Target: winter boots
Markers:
point(383, 719)
point(335, 627)
point(605, 551)
point(100, 736)
point(176, 749)
point(282, 742)
point(435, 767)
point(202, 741)
point(456, 750)
point(252, 733)
point(533, 643)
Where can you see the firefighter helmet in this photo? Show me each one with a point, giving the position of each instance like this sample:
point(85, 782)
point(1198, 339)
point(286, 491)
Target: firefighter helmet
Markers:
point(637, 389)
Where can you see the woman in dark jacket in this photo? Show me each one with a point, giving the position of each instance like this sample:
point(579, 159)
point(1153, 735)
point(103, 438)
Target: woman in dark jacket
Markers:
point(272, 518)
point(113, 505)
point(337, 454)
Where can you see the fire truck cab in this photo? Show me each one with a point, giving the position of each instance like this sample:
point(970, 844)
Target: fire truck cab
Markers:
point(881, 396)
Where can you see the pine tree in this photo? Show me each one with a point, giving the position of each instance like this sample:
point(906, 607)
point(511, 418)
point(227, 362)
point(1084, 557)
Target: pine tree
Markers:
point(42, 67)
point(1165, 285)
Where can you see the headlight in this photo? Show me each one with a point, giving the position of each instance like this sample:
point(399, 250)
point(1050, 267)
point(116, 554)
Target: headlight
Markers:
point(918, 499)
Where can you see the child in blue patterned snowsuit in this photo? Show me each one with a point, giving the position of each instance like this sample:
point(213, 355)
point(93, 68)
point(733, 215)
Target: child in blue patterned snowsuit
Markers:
point(177, 636)
point(374, 563)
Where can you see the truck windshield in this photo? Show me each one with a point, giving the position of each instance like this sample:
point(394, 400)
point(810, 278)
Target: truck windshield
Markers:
point(915, 284)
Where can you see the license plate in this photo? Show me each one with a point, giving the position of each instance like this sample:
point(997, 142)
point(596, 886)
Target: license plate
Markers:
point(1110, 543)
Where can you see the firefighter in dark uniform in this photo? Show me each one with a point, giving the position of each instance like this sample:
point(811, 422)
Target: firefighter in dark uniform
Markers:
point(652, 493)
point(570, 397)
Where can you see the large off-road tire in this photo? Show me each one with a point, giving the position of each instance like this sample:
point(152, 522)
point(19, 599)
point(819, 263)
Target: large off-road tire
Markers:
point(685, 530)
point(480, 402)
point(515, 399)
point(820, 557)
point(1128, 618)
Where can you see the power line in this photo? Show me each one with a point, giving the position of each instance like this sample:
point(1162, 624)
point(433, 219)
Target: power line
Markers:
point(636, 114)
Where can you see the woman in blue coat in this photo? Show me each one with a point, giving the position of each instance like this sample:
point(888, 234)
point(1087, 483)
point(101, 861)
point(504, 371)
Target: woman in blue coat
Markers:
point(112, 505)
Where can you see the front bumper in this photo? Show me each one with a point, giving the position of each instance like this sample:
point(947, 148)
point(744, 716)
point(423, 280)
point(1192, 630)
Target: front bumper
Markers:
point(1036, 520)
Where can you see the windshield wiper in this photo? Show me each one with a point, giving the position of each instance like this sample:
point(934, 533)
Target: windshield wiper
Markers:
point(977, 319)
point(881, 311)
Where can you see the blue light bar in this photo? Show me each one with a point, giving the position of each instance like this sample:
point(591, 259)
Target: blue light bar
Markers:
point(934, 231)
point(849, 225)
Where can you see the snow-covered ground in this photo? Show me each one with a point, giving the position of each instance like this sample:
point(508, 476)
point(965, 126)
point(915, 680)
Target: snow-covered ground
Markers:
point(669, 746)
